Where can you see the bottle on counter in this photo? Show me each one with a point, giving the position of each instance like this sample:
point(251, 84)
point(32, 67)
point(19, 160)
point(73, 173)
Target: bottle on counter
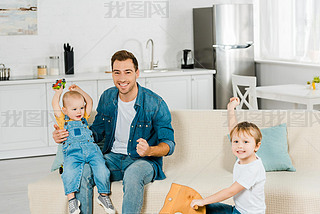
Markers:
point(54, 68)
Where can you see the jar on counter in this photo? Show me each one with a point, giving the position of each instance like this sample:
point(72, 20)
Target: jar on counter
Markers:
point(54, 67)
point(4, 72)
point(42, 70)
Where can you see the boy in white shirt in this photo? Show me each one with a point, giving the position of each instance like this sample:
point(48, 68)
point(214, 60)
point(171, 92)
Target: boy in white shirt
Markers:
point(248, 173)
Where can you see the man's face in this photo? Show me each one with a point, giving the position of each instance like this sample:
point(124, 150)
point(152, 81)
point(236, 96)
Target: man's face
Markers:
point(124, 78)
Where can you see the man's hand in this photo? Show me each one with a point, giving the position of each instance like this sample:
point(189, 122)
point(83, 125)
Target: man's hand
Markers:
point(143, 148)
point(197, 203)
point(59, 135)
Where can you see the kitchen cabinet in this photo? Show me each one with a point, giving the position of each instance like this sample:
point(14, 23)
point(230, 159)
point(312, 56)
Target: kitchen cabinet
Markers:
point(202, 91)
point(27, 119)
point(176, 91)
point(23, 123)
point(184, 92)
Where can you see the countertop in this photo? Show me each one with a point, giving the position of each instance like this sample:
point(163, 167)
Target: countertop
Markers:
point(105, 76)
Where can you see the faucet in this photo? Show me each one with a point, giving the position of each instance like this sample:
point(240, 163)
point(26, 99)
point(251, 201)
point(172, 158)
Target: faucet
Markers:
point(152, 64)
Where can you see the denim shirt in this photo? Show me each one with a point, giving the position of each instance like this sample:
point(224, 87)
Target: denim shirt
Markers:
point(152, 122)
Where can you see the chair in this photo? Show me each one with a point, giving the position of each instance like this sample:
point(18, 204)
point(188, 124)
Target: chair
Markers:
point(248, 97)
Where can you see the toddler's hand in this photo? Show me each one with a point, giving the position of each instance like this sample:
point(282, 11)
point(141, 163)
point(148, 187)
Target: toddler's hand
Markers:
point(234, 102)
point(195, 203)
point(60, 90)
point(74, 87)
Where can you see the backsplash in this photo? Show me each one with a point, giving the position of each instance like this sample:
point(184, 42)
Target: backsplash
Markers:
point(95, 35)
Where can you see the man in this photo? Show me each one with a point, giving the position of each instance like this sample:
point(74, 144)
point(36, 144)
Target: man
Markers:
point(136, 125)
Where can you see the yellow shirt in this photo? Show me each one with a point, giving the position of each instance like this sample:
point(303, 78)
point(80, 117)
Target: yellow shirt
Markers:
point(60, 120)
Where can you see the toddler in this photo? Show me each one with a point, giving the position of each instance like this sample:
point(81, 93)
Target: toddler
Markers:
point(249, 175)
point(79, 148)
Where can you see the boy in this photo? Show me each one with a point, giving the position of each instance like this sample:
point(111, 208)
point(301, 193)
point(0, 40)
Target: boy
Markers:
point(248, 173)
point(80, 148)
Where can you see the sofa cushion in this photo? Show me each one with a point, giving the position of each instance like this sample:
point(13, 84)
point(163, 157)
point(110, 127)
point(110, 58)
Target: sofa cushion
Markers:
point(274, 149)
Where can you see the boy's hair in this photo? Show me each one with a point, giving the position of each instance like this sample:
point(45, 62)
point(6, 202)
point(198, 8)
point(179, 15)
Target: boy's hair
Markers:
point(70, 94)
point(124, 55)
point(248, 128)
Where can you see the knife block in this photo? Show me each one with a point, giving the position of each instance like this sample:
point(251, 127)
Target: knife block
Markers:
point(68, 62)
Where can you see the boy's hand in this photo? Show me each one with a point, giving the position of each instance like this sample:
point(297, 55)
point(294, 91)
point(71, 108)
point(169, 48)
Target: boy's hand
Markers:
point(195, 203)
point(74, 87)
point(234, 102)
point(60, 90)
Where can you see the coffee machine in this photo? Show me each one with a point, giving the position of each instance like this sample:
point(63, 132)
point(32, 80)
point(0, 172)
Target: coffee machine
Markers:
point(187, 60)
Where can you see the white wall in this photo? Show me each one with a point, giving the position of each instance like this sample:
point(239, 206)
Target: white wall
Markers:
point(95, 38)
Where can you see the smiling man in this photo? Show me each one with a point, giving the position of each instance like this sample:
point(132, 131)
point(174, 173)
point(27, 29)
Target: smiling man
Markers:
point(136, 125)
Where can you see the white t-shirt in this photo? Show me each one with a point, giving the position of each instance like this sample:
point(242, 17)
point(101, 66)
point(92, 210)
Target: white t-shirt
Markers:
point(126, 113)
point(252, 177)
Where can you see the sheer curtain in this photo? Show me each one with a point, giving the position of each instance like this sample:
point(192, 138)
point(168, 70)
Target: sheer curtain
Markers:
point(290, 30)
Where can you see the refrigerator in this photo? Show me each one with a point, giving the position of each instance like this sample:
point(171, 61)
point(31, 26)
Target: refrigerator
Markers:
point(223, 41)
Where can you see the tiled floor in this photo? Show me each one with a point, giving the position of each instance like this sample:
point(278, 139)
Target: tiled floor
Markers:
point(15, 175)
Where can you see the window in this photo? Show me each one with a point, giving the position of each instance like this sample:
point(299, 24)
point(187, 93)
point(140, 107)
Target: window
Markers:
point(289, 30)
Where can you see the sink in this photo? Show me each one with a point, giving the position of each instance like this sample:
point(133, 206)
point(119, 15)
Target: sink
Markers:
point(160, 70)
point(155, 70)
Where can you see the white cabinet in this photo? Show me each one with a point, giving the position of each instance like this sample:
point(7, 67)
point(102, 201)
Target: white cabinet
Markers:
point(104, 85)
point(23, 123)
point(184, 92)
point(176, 90)
point(202, 91)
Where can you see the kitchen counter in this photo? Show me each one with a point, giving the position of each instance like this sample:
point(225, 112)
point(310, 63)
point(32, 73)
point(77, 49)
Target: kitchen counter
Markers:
point(106, 76)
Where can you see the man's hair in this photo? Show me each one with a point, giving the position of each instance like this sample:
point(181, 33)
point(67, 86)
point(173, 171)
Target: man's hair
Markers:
point(70, 94)
point(124, 55)
point(248, 128)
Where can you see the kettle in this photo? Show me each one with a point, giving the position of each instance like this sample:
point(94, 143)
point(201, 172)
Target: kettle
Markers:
point(187, 61)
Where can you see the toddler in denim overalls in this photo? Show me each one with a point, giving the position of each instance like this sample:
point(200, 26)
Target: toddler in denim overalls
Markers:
point(79, 147)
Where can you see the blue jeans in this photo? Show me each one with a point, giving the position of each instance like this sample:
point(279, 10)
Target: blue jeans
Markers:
point(135, 173)
point(76, 154)
point(221, 208)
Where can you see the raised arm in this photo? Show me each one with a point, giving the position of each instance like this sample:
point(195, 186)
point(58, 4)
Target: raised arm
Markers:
point(55, 102)
point(143, 149)
point(87, 98)
point(232, 120)
point(222, 195)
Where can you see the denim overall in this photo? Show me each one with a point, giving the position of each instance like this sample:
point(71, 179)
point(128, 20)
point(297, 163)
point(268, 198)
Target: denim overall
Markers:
point(78, 149)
